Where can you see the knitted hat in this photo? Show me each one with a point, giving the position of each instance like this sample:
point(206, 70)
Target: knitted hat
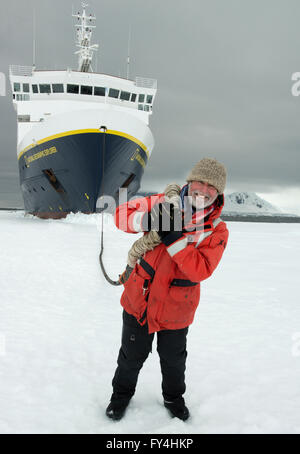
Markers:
point(209, 171)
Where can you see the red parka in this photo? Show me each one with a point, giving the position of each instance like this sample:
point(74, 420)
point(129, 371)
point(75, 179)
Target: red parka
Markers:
point(164, 287)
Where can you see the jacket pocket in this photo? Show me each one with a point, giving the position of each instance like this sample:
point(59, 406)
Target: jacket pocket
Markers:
point(137, 289)
point(183, 293)
point(180, 304)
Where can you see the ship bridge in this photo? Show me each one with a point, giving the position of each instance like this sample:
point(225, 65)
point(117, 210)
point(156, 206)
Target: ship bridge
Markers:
point(57, 87)
point(40, 94)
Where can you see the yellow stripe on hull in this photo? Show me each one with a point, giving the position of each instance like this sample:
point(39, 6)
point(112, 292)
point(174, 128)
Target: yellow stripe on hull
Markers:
point(84, 131)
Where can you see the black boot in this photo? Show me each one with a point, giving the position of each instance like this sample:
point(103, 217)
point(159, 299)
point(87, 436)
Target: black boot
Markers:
point(116, 409)
point(177, 408)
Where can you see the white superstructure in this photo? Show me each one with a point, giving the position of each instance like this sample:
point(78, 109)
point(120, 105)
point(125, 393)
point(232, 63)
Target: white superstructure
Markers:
point(41, 95)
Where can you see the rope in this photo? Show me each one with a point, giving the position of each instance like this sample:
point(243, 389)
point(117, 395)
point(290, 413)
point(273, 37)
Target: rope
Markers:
point(151, 239)
point(102, 190)
point(147, 242)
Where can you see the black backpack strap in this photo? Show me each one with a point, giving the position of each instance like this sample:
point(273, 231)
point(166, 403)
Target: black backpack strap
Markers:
point(148, 268)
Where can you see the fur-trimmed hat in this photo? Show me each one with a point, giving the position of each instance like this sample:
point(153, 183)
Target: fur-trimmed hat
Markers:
point(210, 171)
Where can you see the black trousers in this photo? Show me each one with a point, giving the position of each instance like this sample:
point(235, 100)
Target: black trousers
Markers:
point(135, 348)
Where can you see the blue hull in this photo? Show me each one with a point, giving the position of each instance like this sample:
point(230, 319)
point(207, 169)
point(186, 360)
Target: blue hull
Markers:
point(64, 174)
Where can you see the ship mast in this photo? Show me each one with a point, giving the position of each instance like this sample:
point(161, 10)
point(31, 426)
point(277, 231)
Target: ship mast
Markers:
point(84, 34)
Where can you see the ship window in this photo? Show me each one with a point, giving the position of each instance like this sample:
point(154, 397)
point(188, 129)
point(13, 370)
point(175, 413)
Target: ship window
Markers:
point(57, 88)
point(141, 98)
point(35, 89)
point(149, 99)
point(146, 108)
point(141, 107)
point(99, 91)
point(17, 86)
point(133, 97)
point(113, 93)
point(86, 90)
point(26, 88)
point(125, 95)
point(45, 88)
point(23, 118)
point(72, 88)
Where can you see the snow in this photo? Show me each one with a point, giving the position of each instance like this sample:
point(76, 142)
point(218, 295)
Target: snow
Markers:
point(248, 202)
point(60, 329)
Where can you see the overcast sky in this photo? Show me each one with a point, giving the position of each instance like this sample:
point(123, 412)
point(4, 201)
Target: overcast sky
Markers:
point(224, 82)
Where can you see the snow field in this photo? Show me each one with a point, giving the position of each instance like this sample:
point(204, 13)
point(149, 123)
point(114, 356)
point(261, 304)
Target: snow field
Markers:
point(60, 330)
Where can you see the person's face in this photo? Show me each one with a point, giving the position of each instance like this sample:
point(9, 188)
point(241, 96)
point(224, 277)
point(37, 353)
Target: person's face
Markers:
point(203, 194)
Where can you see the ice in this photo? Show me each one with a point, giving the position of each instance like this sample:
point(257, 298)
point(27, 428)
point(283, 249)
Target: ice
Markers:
point(60, 329)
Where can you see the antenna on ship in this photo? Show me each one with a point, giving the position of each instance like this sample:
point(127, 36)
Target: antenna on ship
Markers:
point(84, 35)
point(33, 41)
point(128, 51)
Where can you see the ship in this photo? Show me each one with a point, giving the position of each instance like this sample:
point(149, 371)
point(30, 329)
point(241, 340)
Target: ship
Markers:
point(81, 135)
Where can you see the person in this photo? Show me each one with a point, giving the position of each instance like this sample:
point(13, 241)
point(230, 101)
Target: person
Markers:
point(162, 290)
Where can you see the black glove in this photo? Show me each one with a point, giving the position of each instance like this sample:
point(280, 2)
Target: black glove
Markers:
point(174, 229)
point(152, 220)
point(174, 232)
point(170, 237)
point(163, 217)
point(125, 275)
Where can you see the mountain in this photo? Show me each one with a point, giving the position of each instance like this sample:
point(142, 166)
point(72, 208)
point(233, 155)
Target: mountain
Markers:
point(248, 203)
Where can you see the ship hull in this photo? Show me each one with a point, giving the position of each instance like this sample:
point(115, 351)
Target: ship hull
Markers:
point(69, 173)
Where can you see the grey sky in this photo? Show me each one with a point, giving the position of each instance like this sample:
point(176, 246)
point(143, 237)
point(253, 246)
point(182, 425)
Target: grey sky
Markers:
point(224, 81)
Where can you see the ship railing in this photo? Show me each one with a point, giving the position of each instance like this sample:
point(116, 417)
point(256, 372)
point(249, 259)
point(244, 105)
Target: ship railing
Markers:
point(145, 82)
point(17, 70)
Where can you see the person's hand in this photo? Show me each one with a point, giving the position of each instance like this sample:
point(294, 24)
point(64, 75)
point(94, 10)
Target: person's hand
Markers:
point(173, 227)
point(164, 217)
point(125, 275)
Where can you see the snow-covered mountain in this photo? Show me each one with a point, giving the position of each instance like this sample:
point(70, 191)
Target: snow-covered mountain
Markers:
point(248, 203)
